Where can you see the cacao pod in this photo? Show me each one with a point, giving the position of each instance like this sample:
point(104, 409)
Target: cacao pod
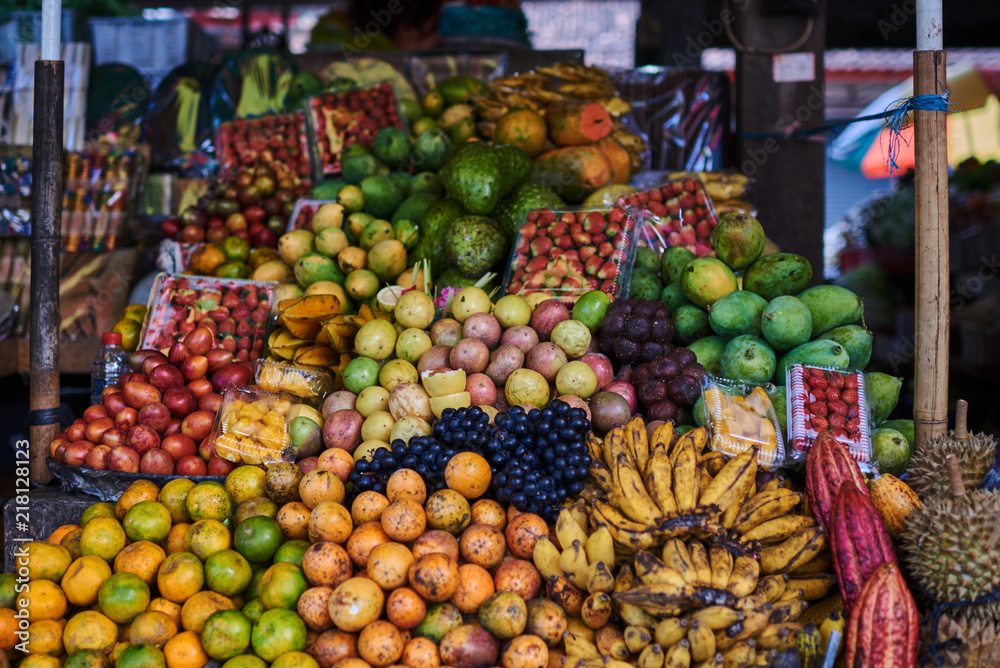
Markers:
point(828, 465)
point(884, 629)
point(894, 501)
point(859, 542)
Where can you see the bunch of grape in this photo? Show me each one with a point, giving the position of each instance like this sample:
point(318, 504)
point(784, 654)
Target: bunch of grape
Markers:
point(537, 458)
point(668, 383)
point(636, 330)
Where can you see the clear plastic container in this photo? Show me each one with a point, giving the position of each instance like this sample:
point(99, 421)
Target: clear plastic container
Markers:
point(244, 143)
point(678, 212)
point(252, 426)
point(308, 384)
point(108, 367)
point(741, 415)
point(564, 253)
point(826, 399)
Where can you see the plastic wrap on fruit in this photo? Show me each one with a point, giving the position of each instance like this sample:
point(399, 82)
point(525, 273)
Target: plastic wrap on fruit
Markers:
point(253, 426)
point(741, 416)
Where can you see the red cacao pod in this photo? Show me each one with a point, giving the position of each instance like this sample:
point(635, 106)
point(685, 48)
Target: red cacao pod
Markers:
point(884, 628)
point(859, 542)
point(828, 466)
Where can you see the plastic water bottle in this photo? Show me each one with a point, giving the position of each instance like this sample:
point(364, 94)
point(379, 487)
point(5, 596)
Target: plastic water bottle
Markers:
point(109, 365)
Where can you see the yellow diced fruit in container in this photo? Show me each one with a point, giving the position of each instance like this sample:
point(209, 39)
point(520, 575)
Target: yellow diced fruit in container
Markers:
point(768, 435)
point(261, 407)
point(275, 419)
point(269, 437)
point(236, 405)
point(226, 447)
point(282, 406)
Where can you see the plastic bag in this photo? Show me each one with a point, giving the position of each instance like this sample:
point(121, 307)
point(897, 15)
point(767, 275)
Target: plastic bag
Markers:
point(827, 399)
point(305, 383)
point(741, 415)
point(177, 123)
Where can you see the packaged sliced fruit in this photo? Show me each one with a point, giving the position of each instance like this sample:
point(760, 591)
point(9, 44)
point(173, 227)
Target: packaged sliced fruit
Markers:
point(339, 119)
point(741, 415)
point(244, 143)
point(564, 253)
point(252, 426)
point(236, 312)
point(679, 213)
point(827, 399)
point(305, 383)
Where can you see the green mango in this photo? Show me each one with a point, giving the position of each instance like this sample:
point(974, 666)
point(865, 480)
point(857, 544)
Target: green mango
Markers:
point(690, 323)
point(645, 285)
point(749, 358)
point(673, 261)
point(831, 306)
point(904, 427)
point(779, 399)
point(857, 341)
point(708, 351)
point(413, 207)
point(737, 313)
point(890, 450)
point(778, 274)
point(882, 392)
point(647, 260)
point(786, 322)
point(673, 296)
point(821, 352)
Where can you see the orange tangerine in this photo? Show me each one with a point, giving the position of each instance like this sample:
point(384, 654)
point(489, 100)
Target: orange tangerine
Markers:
point(103, 537)
point(175, 540)
point(184, 650)
point(89, 630)
point(180, 577)
point(42, 599)
point(152, 628)
point(45, 637)
point(57, 535)
point(142, 559)
point(200, 607)
point(206, 537)
point(173, 496)
point(83, 579)
point(140, 490)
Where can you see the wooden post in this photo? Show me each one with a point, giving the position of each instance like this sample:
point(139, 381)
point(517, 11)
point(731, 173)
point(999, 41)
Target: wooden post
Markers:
point(930, 409)
point(46, 210)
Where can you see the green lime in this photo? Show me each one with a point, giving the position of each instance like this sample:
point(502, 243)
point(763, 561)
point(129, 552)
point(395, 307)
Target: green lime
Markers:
point(258, 538)
point(277, 632)
point(254, 609)
point(291, 551)
point(360, 372)
point(226, 634)
point(141, 656)
point(228, 573)
point(282, 585)
point(590, 309)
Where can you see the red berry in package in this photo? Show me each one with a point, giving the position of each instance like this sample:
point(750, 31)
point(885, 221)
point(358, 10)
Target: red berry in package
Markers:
point(821, 399)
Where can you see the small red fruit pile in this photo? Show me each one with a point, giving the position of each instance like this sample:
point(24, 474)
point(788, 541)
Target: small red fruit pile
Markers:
point(352, 117)
point(194, 314)
point(682, 216)
point(157, 419)
point(248, 142)
point(564, 254)
point(832, 402)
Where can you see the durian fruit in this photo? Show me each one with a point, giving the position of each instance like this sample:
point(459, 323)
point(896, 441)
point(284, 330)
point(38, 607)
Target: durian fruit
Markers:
point(975, 453)
point(980, 646)
point(950, 545)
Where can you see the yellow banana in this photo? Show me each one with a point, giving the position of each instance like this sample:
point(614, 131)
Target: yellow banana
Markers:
point(702, 641)
point(637, 440)
point(600, 547)
point(578, 646)
point(698, 438)
point(713, 461)
point(601, 476)
point(678, 656)
point(728, 518)
point(676, 555)
point(710, 662)
point(611, 642)
point(578, 626)
point(722, 565)
point(743, 579)
point(753, 623)
point(765, 657)
point(702, 567)
point(632, 615)
point(790, 594)
point(704, 482)
point(773, 483)
point(819, 564)
point(794, 552)
point(765, 506)
point(670, 631)
point(596, 610)
point(772, 587)
point(687, 477)
point(651, 657)
point(579, 512)
point(595, 447)
point(834, 623)
point(623, 531)
point(637, 638)
point(599, 578)
point(634, 500)
point(546, 557)
point(573, 563)
point(779, 529)
point(659, 481)
point(740, 655)
point(650, 569)
point(614, 445)
point(717, 617)
point(733, 481)
point(568, 530)
point(787, 611)
point(814, 587)
point(778, 636)
point(663, 437)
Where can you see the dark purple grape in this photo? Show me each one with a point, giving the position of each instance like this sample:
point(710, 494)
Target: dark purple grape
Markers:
point(652, 392)
point(665, 368)
point(683, 356)
point(666, 411)
point(651, 350)
point(637, 329)
point(684, 390)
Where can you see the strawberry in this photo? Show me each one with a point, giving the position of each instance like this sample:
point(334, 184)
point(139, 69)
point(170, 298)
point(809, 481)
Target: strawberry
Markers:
point(818, 423)
point(849, 396)
point(832, 393)
point(586, 252)
point(593, 264)
point(616, 215)
point(564, 242)
point(541, 246)
point(820, 382)
point(557, 230)
point(837, 406)
point(852, 411)
point(658, 209)
point(819, 394)
point(851, 381)
point(854, 425)
point(608, 270)
point(837, 421)
point(815, 373)
point(836, 379)
point(818, 408)
point(839, 434)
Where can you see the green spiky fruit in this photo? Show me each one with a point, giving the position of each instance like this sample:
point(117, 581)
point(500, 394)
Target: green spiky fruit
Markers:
point(980, 642)
point(929, 476)
point(949, 546)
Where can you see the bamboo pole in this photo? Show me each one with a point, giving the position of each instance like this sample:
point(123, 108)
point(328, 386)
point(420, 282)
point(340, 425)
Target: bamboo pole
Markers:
point(930, 410)
point(46, 208)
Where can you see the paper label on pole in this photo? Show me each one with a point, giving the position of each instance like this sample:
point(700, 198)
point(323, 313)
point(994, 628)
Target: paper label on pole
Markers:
point(789, 67)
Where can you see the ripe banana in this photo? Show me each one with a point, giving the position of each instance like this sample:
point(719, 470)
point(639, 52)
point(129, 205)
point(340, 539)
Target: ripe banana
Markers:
point(676, 555)
point(611, 642)
point(778, 529)
point(722, 565)
point(634, 500)
point(614, 445)
point(599, 578)
point(790, 594)
point(778, 636)
point(573, 563)
point(546, 557)
point(637, 638)
point(733, 481)
point(632, 615)
point(687, 478)
point(669, 597)
point(753, 623)
point(832, 630)
point(623, 531)
point(595, 447)
point(650, 569)
point(765, 506)
point(568, 529)
point(740, 655)
point(663, 438)
point(819, 564)
point(772, 587)
point(637, 440)
point(562, 592)
point(717, 617)
point(794, 552)
point(600, 547)
point(601, 476)
point(578, 646)
point(678, 656)
point(786, 611)
point(713, 461)
point(651, 657)
point(743, 579)
point(670, 630)
point(596, 610)
point(702, 641)
point(814, 587)
point(579, 512)
point(702, 567)
point(659, 481)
